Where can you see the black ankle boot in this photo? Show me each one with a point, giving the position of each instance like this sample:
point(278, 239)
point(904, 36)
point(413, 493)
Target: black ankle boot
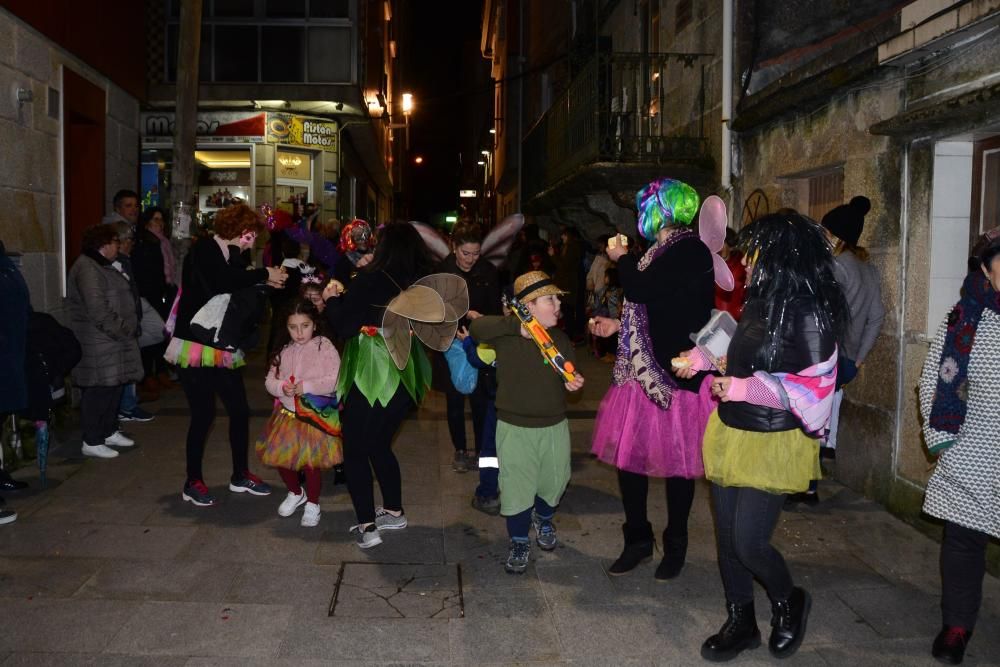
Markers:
point(949, 645)
point(638, 549)
point(737, 634)
point(789, 623)
point(674, 555)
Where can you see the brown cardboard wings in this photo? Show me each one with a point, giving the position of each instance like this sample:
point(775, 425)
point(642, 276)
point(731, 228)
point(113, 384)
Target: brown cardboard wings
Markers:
point(430, 308)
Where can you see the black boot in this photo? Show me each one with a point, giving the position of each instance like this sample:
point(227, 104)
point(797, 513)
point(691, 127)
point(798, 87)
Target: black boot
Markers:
point(737, 634)
point(788, 621)
point(638, 549)
point(949, 645)
point(674, 553)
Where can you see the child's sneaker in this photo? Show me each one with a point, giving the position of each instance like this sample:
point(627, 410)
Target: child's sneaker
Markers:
point(460, 463)
point(385, 520)
point(196, 492)
point(291, 503)
point(487, 504)
point(310, 515)
point(517, 558)
point(545, 532)
point(367, 537)
point(250, 483)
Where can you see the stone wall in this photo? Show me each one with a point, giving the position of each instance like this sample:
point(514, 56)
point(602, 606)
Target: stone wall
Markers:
point(30, 178)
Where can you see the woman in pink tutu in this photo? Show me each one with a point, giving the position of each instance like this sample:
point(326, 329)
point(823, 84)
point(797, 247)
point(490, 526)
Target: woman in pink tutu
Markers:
point(650, 423)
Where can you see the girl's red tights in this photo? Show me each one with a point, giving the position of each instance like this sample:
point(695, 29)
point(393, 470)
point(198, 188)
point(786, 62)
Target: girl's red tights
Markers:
point(314, 482)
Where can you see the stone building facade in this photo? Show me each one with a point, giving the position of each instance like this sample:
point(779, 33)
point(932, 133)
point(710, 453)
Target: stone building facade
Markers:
point(38, 54)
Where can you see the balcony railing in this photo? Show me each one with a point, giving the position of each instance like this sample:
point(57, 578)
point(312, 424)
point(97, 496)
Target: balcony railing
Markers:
point(636, 108)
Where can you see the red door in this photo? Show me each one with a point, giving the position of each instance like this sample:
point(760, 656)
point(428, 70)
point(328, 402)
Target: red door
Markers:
point(83, 158)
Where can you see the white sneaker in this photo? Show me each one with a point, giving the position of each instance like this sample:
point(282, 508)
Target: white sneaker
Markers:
point(310, 515)
point(291, 503)
point(119, 439)
point(99, 451)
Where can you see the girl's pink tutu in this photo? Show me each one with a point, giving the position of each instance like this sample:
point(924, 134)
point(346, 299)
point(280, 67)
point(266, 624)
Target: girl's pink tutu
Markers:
point(633, 434)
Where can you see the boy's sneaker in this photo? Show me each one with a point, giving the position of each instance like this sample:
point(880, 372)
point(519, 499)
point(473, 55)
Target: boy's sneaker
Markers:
point(461, 461)
point(119, 439)
point(196, 492)
point(517, 558)
point(367, 537)
point(545, 532)
point(291, 503)
point(385, 520)
point(310, 515)
point(137, 415)
point(250, 483)
point(7, 516)
point(487, 504)
point(99, 451)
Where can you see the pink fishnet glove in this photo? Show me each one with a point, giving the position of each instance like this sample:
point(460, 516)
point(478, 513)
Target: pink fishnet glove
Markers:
point(699, 362)
point(753, 390)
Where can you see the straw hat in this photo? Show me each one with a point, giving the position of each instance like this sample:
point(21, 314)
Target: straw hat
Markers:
point(533, 284)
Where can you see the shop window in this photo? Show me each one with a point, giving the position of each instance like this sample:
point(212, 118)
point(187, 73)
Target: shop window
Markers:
point(223, 177)
point(330, 54)
point(329, 9)
point(985, 188)
point(285, 9)
point(293, 179)
point(233, 8)
point(282, 54)
point(235, 53)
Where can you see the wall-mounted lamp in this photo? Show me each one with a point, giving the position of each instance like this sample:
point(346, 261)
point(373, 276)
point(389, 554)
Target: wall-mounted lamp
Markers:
point(23, 96)
point(493, 130)
point(407, 104)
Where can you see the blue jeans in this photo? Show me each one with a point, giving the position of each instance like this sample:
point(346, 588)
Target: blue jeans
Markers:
point(518, 525)
point(745, 520)
point(489, 465)
point(130, 401)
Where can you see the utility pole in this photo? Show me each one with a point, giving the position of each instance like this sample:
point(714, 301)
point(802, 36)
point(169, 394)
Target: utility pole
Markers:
point(186, 110)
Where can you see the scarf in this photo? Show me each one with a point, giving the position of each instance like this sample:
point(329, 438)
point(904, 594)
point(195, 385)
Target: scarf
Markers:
point(635, 359)
point(169, 263)
point(950, 397)
point(807, 394)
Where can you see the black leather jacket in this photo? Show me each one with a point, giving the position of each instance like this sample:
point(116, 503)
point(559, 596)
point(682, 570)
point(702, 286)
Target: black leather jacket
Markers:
point(802, 345)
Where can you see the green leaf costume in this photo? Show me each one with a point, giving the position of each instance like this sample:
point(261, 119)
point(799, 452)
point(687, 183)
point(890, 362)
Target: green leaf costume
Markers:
point(367, 364)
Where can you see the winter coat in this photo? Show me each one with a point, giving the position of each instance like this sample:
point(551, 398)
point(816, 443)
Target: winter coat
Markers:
point(14, 309)
point(147, 263)
point(101, 307)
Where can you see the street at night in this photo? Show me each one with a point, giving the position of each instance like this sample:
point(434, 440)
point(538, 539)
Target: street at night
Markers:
point(499, 332)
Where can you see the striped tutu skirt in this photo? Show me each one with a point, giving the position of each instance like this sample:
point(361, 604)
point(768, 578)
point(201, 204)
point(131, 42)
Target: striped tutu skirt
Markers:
point(288, 442)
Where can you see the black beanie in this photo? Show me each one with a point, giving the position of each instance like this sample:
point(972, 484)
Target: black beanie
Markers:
point(847, 221)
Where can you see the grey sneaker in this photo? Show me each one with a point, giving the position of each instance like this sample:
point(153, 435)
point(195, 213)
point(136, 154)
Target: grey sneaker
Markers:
point(461, 462)
point(517, 558)
point(387, 521)
point(367, 537)
point(545, 532)
point(487, 504)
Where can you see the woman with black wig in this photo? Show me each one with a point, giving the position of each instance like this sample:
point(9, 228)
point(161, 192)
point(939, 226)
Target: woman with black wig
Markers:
point(958, 398)
point(376, 394)
point(762, 443)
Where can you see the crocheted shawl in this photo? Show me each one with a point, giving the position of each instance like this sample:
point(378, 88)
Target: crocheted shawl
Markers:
point(635, 359)
point(949, 406)
point(807, 394)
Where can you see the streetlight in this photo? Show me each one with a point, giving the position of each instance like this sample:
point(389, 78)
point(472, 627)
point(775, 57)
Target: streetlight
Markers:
point(407, 104)
point(418, 160)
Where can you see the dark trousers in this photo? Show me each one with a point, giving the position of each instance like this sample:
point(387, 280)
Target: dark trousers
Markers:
point(99, 412)
point(455, 400)
point(201, 386)
point(519, 524)
point(963, 565)
point(680, 494)
point(489, 465)
point(745, 519)
point(367, 435)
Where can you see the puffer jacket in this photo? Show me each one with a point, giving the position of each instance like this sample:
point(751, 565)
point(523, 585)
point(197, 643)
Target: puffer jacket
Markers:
point(101, 309)
point(803, 344)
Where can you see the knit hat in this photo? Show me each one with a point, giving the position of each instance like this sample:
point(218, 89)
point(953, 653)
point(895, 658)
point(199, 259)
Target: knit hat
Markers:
point(534, 284)
point(847, 221)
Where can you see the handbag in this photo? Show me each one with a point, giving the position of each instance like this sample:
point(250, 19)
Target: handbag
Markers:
point(322, 412)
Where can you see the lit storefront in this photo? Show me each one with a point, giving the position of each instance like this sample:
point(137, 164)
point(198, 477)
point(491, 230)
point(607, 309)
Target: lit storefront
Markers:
point(283, 159)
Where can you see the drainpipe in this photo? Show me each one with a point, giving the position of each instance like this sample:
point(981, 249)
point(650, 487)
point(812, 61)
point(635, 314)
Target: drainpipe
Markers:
point(727, 94)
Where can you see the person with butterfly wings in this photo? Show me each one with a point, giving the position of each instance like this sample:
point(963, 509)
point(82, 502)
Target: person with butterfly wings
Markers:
point(383, 371)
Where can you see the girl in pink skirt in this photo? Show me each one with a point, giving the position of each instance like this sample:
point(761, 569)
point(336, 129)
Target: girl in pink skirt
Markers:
point(650, 423)
point(303, 434)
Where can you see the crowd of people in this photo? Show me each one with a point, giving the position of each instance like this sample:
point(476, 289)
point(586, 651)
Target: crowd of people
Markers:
point(752, 422)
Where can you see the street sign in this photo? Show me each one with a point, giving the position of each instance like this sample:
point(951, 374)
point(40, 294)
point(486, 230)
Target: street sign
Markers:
point(467, 194)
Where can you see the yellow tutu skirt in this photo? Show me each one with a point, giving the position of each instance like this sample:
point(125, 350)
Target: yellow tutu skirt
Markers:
point(776, 462)
point(291, 443)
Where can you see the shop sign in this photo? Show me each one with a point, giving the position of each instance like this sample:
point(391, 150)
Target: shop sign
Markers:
point(283, 128)
point(212, 126)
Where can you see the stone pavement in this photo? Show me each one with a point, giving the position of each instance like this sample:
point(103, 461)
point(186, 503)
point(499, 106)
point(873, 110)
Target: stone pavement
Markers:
point(109, 567)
